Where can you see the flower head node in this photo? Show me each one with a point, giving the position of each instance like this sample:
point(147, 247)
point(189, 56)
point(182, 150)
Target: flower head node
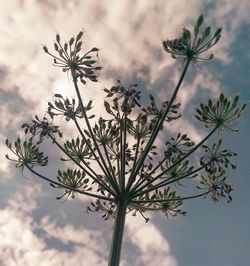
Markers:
point(41, 128)
point(107, 208)
point(222, 114)
point(64, 107)
point(69, 58)
point(179, 145)
point(27, 153)
point(128, 98)
point(75, 179)
point(216, 185)
point(106, 132)
point(78, 149)
point(216, 159)
point(168, 202)
point(155, 112)
point(188, 47)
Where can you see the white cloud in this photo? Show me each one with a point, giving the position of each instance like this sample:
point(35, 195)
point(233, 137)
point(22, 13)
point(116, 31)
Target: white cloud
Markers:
point(153, 248)
point(22, 245)
point(24, 201)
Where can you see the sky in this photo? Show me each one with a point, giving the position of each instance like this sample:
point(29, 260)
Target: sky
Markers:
point(35, 228)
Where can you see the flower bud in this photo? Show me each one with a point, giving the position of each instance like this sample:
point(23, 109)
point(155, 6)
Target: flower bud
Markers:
point(45, 49)
point(79, 36)
point(57, 37)
point(56, 46)
point(94, 49)
point(71, 41)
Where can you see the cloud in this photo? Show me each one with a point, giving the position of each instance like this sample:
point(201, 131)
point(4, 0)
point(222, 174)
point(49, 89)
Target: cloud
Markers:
point(153, 249)
point(21, 243)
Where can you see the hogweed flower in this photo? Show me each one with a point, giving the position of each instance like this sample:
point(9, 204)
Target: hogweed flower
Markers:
point(69, 109)
point(154, 111)
point(107, 209)
point(26, 153)
point(216, 159)
point(41, 128)
point(75, 179)
point(116, 158)
point(105, 131)
point(216, 185)
point(129, 97)
point(164, 200)
point(191, 46)
point(179, 145)
point(78, 150)
point(222, 114)
point(70, 58)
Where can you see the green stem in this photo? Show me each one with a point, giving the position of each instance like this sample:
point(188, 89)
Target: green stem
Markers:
point(106, 172)
point(123, 152)
point(168, 200)
point(138, 188)
point(111, 180)
point(108, 159)
point(67, 187)
point(157, 127)
point(135, 160)
point(167, 182)
point(116, 245)
point(141, 181)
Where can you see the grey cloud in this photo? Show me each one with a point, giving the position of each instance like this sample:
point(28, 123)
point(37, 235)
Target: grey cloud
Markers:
point(13, 108)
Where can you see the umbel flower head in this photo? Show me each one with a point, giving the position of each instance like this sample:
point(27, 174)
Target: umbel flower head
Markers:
point(215, 159)
point(222, 114)
point(216, 184)
point(69, 58)
point(74, 179)
point(27, 154)
point(41, 128)
point(191, 47)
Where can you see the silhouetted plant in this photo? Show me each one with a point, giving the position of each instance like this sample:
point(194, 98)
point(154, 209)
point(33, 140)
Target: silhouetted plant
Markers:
point(116, 160)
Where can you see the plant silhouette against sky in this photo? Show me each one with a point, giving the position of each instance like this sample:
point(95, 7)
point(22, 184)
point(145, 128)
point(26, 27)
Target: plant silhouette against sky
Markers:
point(114, 159)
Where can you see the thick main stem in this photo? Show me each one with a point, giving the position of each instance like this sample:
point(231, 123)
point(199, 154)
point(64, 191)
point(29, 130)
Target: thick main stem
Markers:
point(116, 245)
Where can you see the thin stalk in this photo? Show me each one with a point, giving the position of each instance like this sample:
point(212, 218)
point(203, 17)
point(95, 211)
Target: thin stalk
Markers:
point(96, 158)
point(168, 200)
point(67, 187)
point(136, 154)
point(116, 244)
point(123, 152)
point(118, 168)
point(135, 160)
point(116, 187)
point(139, 182)
point(138, 188)
point(158, 126)
point(120, 154)
point(108, 159)
point(167, 182)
